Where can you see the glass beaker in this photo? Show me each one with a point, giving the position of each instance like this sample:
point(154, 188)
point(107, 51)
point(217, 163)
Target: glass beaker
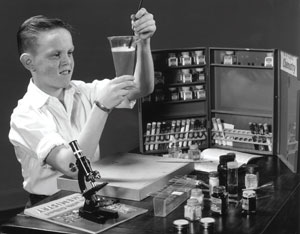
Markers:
point(123, 52)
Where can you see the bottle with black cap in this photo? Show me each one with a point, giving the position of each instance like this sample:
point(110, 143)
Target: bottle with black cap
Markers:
point(222, 167)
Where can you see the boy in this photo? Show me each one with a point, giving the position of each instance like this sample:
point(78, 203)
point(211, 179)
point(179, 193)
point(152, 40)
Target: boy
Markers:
point(56, 110)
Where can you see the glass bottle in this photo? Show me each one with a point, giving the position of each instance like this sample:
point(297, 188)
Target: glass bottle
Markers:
point(185, 59)
point(192, 210)
point(174, 150)
point(229, 58)
point(199, 74)
point(219, 200)
point(251, 176)
point(232, 179)
point(222, 167)
point(186, 76)
point(269, 60)
point(198, 57)
point(197, 194)
point(186, 93)
point(213, 181)
point(194, 152)
point(249, 202)
point(199, 92)
point(174, 95)
point(172, 60)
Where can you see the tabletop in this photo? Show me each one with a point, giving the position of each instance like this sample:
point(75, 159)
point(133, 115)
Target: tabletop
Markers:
point(277, 210)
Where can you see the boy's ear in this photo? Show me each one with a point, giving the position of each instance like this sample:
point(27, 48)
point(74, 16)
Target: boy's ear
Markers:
point(27, 61)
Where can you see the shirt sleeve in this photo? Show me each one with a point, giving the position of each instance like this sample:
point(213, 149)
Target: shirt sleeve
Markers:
point(35, 136)
point(97, 86)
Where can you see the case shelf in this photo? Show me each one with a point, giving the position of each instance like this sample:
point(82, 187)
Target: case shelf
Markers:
point(185, 84)
point(176, 102)
point(241, 66)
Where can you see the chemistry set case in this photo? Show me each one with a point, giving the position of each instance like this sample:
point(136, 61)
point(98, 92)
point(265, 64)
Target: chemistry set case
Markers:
point(231, 98)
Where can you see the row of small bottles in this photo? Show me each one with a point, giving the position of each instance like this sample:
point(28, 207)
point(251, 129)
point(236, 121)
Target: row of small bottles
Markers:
point(181, 76)
point(230, 57)
point(259, 135)
point(186, 58)
point(186, 132)
point(184, 93)
point(261, 130)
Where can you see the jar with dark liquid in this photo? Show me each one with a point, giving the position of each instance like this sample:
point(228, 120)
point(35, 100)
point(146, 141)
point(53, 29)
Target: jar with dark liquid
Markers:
point(219, 200)
point(249, 202)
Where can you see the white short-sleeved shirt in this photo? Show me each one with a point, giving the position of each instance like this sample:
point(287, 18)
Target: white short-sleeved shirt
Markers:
point(40, 122)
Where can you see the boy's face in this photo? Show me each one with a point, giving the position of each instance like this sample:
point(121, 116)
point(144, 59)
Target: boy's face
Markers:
point(53, 60)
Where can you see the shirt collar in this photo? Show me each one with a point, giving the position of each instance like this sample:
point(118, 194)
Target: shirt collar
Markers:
point(39, 98)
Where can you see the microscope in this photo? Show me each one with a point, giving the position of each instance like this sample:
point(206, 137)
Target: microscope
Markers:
point(94, 208)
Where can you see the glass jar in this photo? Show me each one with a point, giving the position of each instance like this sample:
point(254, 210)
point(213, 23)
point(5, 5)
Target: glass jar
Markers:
point(159, 95)
point(269, 60)
point(232, 179)
point(229, 58)
point(219, 200)
point(186, 76)
point(251, 176)
point(213, 181)
point(173, 94)
point(185, 59)
point(198, 75)
point(194, 152)
point(197, 194)
point(199, 92)
point(192, 210)
point(198, 57)
point(159, 79)
point(249, 202)
point(172, 60)
point(186, 93)
point(174, 150)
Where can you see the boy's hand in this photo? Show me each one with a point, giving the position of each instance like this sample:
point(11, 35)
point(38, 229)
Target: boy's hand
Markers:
point(143, 24)
point(116, 90)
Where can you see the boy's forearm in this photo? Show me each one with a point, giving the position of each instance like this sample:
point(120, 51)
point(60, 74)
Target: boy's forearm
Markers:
point(144, 71)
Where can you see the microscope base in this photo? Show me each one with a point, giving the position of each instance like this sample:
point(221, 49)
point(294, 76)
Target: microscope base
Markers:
point(99, 215)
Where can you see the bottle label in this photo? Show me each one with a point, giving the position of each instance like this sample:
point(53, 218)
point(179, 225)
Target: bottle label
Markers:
point(269, 62)
point(245, 204)
point(216, 205)
point(200, 59)
point(187, 95)
point(186, 61)
point(201, 77)
point(251, 181)
point(186, 78)
point(228, 59)
point(200, 94)
point(173, 61)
